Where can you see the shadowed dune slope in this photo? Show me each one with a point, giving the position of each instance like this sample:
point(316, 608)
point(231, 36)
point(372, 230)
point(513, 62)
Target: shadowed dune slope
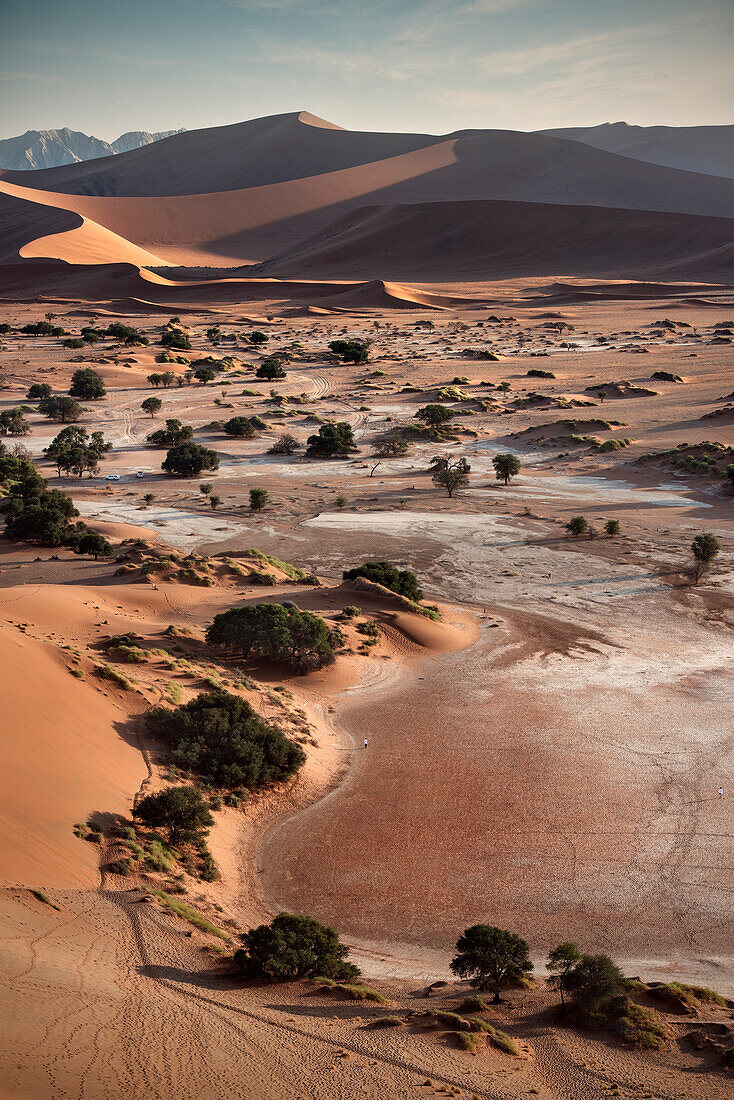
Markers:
point(708, 149)
point(494, 239)
point(308, 198)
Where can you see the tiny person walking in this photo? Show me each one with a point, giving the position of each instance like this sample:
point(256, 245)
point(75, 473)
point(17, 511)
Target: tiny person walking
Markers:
point(365, 742)
point(721, 789)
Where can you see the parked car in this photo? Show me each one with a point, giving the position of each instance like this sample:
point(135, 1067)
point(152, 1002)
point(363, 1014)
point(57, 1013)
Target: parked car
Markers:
point(112, 477)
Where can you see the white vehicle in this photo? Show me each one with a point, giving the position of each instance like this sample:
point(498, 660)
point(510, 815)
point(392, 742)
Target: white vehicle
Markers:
point(112, 477)
point(140, 473)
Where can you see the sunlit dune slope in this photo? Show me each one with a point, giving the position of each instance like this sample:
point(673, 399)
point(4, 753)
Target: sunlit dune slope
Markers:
point(63, 759)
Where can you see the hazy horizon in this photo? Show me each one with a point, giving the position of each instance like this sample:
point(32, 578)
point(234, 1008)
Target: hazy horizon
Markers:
point(414, 65)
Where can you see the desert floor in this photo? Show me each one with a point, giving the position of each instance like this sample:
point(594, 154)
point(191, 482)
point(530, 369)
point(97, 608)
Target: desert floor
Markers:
point(547, 759)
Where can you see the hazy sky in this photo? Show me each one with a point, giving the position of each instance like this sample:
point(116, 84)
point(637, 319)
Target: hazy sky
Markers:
point(107, 66)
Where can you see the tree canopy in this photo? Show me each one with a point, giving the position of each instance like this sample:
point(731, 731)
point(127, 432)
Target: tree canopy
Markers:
point(505, 467)
point(397, 580)
point(333, 439)
point(293, 947)
point(87, 385)
point(180, 810)
point(270, 369)
point(189, 460)
point(221, 737)
point(300, 639)
point(174, 433)
point(64, 409)
point(489, 956)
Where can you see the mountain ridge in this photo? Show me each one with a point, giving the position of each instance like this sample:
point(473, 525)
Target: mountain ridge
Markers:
point(37, 149)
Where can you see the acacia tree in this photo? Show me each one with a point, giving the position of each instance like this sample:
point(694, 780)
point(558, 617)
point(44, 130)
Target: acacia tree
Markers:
point(452, 476)
point(152, 405)
point(705, 548)
point(180, 810)
point(505, 467)
point(435, 416)
point(577, 525)
point(561, 961)
point(489, 956)
point(189, 460)
point(293, 947)
point(275, 631)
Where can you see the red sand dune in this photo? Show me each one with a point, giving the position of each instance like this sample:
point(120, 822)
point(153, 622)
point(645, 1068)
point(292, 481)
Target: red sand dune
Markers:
point(310, 199)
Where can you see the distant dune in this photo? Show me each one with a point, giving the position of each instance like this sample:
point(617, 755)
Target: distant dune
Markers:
point(303, 198)
point(708, 149)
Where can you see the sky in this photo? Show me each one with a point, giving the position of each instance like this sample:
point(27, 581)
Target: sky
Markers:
point(431, 66)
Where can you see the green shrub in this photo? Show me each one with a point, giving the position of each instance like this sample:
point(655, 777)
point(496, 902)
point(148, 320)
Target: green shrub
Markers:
point(401, 581)
point(351, 351)
point(293, 947)
point(642, 1027)
point(220, 736)
point(181, 810)
point(281, 633)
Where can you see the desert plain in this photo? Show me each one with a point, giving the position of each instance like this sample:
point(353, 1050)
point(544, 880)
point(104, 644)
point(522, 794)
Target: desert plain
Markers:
point(545, 753)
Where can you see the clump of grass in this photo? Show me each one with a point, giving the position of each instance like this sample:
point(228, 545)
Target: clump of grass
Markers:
point(161, 857)
point(709, 996)
point(78, 672)
point(356, 991)
point(467, 1042)
point(45, 899)
point(498, 1038)
point(452, 1020)
point(174, 693)
point(285, 567)
point(687, 995)
point(81, 830)
point(136, 850)
point(387, 1021)
point(185, 912)
point(642, 1027)
point(132, 654)
point(107, 672)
